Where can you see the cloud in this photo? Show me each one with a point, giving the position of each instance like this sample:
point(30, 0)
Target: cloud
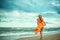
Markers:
point(24, 13)
point(50, 14)
point(56, 5)
point(18, 19)
point(52, 22)
point(27, 5)
point(10, 5)
point(51, 19)
point(26, 19)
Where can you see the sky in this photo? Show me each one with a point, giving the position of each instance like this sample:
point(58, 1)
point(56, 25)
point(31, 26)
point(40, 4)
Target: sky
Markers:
point(23, 13)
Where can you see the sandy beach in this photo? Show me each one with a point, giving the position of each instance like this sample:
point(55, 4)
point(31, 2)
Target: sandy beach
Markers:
point(45, 37)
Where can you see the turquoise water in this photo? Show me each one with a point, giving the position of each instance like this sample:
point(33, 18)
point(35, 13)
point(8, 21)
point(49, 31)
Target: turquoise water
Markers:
point(15, 33)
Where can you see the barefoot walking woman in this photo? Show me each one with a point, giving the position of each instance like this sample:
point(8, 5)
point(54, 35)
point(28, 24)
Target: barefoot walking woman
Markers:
point(40, 25)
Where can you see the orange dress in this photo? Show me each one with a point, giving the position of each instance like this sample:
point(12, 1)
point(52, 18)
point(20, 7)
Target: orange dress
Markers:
point(39, 26)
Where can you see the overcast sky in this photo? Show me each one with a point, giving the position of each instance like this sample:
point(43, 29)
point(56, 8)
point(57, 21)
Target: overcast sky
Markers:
point(23, 13)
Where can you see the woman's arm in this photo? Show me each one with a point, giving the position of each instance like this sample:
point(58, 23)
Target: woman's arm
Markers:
point(43, 22)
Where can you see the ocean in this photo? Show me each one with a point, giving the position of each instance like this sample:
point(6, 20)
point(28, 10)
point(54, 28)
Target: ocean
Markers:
point(11, 33)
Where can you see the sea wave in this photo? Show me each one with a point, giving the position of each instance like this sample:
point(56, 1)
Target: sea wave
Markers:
point(25, 31)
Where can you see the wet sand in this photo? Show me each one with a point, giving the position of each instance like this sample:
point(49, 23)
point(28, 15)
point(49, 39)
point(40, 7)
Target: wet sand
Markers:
point(45, 37)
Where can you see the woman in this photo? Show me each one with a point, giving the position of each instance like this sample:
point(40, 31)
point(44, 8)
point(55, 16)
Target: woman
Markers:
point(40, 25)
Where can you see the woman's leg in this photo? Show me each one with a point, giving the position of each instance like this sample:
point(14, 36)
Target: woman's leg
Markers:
point(41, 35)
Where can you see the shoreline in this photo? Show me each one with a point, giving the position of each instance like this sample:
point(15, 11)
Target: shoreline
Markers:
point(45, 37)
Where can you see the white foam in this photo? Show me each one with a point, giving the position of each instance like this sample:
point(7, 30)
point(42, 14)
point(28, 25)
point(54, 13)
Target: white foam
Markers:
point(11, 34)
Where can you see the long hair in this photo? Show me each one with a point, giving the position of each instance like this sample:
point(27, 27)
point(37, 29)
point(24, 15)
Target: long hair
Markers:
point(40, 17)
